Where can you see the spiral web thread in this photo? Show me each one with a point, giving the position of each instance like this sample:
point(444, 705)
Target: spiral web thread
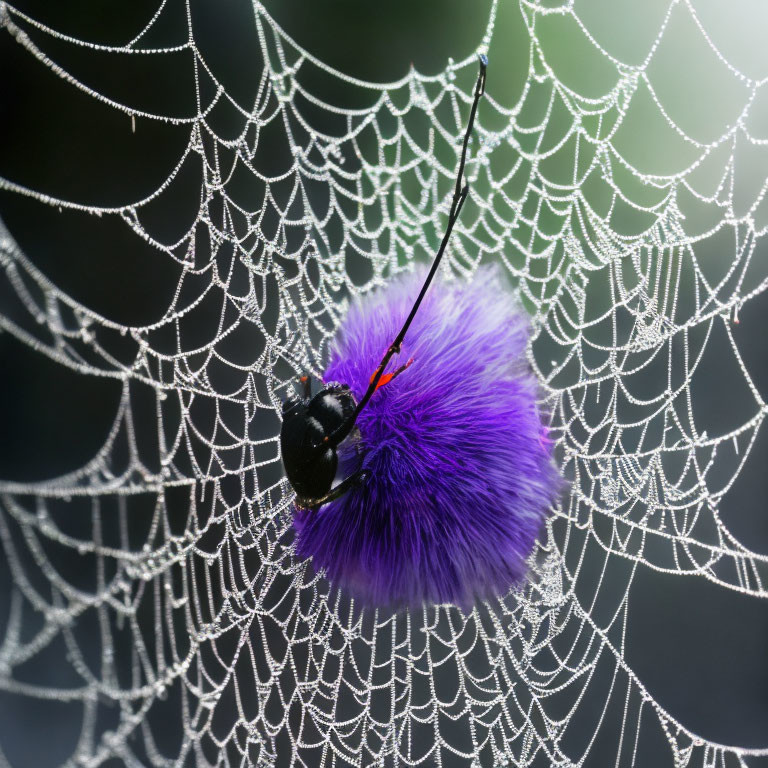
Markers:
point(264, 662)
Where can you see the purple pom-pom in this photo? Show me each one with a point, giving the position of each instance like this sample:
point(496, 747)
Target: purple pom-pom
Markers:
point(461, 470)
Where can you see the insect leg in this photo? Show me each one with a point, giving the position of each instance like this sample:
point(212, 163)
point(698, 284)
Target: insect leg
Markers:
point(339, 490)
point(306, 383)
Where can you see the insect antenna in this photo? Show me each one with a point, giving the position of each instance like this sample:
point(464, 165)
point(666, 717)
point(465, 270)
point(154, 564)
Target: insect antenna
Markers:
point(459, 196)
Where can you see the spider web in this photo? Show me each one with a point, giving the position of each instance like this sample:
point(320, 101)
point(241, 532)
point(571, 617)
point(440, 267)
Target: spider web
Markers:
point(631, 262)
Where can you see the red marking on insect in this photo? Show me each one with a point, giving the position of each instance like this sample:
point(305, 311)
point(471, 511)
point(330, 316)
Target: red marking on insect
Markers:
point(387, 377)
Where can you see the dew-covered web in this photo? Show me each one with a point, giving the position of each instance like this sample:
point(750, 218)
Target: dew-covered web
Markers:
point(191, 634)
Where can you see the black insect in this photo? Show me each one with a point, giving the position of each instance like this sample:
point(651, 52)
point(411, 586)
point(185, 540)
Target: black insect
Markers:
point(313, 427)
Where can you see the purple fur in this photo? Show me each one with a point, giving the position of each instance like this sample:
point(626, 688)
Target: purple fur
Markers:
point(462, 472)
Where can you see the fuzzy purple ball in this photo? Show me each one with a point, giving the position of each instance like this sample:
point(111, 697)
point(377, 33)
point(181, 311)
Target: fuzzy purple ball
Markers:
point(461, 470)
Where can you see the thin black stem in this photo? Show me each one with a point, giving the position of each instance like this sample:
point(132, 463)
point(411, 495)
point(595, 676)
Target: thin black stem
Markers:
point(459, 196)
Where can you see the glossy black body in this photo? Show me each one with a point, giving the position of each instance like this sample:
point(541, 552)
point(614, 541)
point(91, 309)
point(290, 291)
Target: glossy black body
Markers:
point(308, 425)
